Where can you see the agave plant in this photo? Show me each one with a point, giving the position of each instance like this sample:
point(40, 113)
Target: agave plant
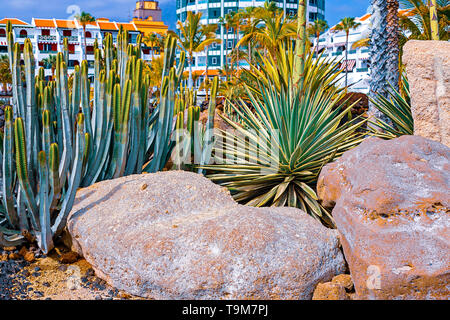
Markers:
point(58, 139)
point(397, 109)
point(276, 157)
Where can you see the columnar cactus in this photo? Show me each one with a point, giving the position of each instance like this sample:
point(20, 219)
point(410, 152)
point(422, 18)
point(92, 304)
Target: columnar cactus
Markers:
point(58, 139)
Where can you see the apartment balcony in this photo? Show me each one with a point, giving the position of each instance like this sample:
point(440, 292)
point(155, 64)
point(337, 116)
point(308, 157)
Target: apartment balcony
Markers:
point(46, 38)
point(362, 70)
point(337, 53)
point(48, 51)
point(72, 38)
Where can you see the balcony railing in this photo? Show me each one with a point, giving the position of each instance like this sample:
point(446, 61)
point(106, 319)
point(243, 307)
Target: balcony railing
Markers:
point(337, 53)
point(72, 38)
point(362, 70)
point(364, 50)
point(47, 38)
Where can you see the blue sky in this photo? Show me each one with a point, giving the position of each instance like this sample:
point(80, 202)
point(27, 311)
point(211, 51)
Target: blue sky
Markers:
point(121, 10)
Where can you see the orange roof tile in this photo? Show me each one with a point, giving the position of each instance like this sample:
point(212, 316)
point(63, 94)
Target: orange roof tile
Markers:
point(68, 24)
point(106, 25)
point(127, 26)
point(365, 17)
point(44, 23)
point(14, 21)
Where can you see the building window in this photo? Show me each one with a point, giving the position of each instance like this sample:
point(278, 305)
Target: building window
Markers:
point(45, 32)
point(23, 33)
point(67, 33)
point(89, 49)
point(88, 34)
point(230, 44)
point(214, 61)
point(2, 33)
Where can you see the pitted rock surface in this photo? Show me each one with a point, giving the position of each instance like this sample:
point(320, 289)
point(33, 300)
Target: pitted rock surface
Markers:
point(392, 209)
point(176, 235)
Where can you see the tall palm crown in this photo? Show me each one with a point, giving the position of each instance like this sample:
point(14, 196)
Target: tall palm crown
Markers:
point(346, 25)
point(316, 29)
point(273, 30)
point(50, 62)
point(84, 19)
point(384, 50)
point(192, 38)
point(151, 40)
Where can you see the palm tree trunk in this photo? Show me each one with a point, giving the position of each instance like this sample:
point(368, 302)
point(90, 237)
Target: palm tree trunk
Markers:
point(153, 50)
point(206, 72)
point(191, 84)
point(226, 55)
point(346, 61)
point(434, 21)
point(317, 45)
point(384, 51)
point(300, 46)
point(84, 36)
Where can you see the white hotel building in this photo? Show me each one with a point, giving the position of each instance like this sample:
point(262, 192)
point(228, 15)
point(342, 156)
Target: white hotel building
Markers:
point(212, 10)
point(47, 37)
point(332, 45)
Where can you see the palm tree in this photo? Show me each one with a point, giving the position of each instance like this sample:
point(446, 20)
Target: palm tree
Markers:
point(384, 50)
point(5, 73)
point(151, 40)
point(50, 62)
point(209, 30)
point(316, 29)
point(276, 28)
point(346, 25)
point(84, 19)
point(192, 38)
point(251, 21)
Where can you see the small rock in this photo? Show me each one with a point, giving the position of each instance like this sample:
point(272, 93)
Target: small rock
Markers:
point(9, 248)
point(29, 256)
point(69, 257)
point(4, 257)
point(23, 251)
point(14, 256)
point(37, 268)
point(90, 272)
point(144, 186)
point(344, 280)
point(330, 291)
point(62, 268)
point(46, 284)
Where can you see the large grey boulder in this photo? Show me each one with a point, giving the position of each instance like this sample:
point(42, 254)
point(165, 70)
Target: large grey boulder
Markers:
point(392, 209)
point(176, 235)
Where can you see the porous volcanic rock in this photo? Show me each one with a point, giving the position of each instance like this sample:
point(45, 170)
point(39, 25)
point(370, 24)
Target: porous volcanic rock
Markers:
point(392, 201)
point(176, 235)
point(427, 64)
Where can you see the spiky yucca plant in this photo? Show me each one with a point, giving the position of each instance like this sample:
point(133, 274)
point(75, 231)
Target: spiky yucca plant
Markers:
point(396, 108)
point(287, 134)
